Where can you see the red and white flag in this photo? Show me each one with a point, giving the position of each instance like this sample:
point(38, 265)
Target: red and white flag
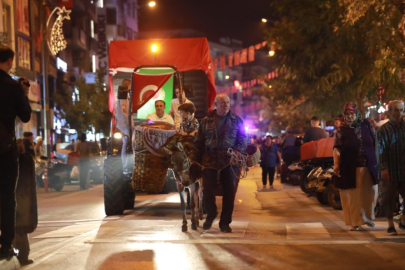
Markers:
point(243, 56)
point(230, 60)
point(145, 86)
point(251, 54)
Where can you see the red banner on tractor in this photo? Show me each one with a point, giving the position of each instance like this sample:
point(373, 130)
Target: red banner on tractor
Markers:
point(145, 86)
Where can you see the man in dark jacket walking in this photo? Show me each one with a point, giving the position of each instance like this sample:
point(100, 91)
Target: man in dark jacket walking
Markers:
point(220, 130)
point(13, 103)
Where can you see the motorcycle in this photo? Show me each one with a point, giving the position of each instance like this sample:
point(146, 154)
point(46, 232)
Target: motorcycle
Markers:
point(53, 167)
point(321, 184)
point(297, 174)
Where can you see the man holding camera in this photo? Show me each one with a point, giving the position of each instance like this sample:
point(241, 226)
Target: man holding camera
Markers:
point(14, 102)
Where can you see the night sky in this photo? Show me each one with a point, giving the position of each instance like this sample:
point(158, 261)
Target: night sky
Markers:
point(238, 19)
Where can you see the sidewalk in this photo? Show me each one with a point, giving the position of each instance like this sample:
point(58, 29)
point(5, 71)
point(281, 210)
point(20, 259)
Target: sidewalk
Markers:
point(294, 215)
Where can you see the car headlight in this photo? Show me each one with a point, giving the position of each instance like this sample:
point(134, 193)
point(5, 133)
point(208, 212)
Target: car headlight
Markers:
point(117, 135)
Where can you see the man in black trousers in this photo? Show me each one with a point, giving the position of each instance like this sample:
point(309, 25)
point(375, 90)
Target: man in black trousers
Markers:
point(13, 103)
point(220, 130)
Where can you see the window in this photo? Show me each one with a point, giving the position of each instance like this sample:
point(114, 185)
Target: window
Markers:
point(23, 18)
point(92, 28)
point(134, 10)
point(129, 33)
point(127, 9)
point(24, 53)
point(6, 34)
point(220, 75)
point(111, 16)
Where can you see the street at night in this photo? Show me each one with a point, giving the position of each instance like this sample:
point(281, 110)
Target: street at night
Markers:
point(203, 134)
point(274, 229)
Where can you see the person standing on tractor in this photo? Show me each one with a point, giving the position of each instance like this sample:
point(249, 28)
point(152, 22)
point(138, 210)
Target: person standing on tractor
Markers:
point(220, 130)
point(122, 119)
point(174, 107)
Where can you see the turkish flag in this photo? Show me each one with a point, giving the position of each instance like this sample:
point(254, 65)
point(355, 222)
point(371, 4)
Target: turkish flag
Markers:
point(236, 58)
point(145, 86)
point(243, 56)
point(251, 53)
point(230, 59)
point(222, 61)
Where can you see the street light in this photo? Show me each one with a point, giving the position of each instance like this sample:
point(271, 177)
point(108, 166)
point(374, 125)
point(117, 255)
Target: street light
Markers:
point(150, 4)
point(226, 77)
point(272, 53)
point(154, 49)
point(264, 20)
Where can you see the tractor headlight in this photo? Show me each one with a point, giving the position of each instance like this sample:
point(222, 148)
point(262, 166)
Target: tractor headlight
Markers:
point(118, 135)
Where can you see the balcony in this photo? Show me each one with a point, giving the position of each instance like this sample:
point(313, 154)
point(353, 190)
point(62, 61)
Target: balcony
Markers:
point(78, 40)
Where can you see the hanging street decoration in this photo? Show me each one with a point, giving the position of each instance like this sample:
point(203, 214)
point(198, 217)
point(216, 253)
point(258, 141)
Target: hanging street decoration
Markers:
point(245, 55)
point(56, 40)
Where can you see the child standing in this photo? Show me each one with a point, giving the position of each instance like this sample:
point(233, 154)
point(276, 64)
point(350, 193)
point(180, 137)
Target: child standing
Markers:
point(189, 125)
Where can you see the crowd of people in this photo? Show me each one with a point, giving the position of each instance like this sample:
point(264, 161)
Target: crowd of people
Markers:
point(368, 162)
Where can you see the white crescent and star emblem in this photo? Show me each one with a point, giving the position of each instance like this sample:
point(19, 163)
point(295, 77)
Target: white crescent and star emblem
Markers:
point(147, 88)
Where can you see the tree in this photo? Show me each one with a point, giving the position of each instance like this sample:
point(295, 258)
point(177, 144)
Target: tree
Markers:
point(86, 109)
point(326, 62)
point(277, 115)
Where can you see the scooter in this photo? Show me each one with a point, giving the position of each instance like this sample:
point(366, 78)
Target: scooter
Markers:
point(321, 184)
point(53, 168)
point(297, 174)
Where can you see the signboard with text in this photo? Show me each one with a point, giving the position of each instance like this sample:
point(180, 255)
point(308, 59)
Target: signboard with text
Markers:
point(102, 47)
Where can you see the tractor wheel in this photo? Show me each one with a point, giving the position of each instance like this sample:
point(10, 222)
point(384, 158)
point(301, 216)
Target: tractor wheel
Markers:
point(113, 187)
point(129, 200)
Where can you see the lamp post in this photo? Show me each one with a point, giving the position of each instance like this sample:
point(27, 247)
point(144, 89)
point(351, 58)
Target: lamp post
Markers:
point(45, 87)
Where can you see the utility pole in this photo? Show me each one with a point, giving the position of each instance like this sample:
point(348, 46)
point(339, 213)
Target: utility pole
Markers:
point(45, 88)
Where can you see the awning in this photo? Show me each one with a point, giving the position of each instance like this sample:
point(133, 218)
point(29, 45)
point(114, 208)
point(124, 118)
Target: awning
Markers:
point(182, 53)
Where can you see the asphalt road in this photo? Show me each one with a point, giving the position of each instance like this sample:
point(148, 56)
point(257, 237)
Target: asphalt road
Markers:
point(277, 229)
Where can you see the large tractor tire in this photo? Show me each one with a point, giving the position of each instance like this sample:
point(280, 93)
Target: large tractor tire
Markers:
point(114, 203)
point(334, 197)
point(129, 200)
